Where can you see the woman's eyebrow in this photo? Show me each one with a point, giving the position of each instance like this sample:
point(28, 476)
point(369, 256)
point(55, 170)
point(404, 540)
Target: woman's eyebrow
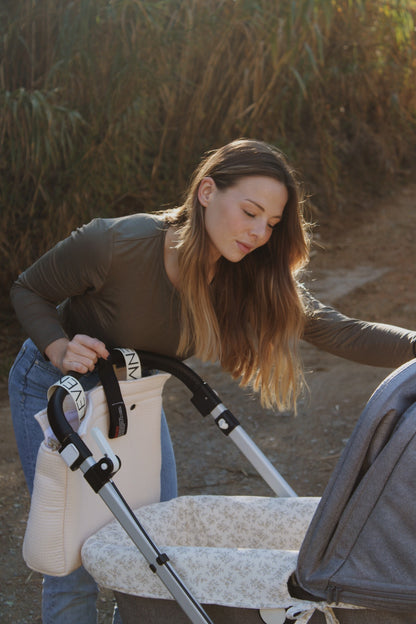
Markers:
point(255, 203)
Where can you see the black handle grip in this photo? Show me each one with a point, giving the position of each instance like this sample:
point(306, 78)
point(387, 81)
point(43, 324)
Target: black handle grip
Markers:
point(56, 415)
point(204, 398)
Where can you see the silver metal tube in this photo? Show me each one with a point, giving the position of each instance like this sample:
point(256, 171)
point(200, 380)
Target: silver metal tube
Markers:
point(260, 462)
point(166, 573)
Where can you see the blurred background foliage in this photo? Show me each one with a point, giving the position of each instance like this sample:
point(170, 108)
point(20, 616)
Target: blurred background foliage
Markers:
point(107, 105)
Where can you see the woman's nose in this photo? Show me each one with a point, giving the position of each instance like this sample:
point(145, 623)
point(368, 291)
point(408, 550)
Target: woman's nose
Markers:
point(259, 230)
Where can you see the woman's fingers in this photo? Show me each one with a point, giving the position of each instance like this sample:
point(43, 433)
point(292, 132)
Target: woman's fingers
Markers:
point(79, 354)
point(82, 353)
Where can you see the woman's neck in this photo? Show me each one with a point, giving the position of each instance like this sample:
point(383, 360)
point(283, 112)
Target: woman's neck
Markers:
point(171, 259)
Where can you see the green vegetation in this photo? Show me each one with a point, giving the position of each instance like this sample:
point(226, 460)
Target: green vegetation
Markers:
point(106, 105)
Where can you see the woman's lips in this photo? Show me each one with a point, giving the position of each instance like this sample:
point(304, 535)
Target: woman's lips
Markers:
point(244, 248)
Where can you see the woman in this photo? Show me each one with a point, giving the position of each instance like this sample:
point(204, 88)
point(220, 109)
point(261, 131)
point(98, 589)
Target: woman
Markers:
point(216, 277)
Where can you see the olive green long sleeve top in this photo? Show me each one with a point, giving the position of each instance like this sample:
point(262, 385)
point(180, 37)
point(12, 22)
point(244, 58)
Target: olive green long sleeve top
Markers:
point(108, 280)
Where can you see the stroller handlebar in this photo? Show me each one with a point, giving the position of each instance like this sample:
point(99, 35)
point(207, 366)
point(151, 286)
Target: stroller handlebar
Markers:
point(63, 430)
point(204, 397)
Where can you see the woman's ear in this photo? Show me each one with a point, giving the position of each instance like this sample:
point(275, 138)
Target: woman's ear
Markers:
point(206, 189)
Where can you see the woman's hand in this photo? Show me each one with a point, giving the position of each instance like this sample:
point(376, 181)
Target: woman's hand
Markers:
point(79, 354)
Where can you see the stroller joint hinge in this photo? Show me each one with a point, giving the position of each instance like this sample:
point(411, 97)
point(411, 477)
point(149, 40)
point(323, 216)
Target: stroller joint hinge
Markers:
point(226, 422)
point(100, 473)
point(73, 451)
point(160, 560)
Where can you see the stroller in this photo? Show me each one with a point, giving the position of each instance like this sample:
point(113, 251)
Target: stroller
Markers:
point(224, 559)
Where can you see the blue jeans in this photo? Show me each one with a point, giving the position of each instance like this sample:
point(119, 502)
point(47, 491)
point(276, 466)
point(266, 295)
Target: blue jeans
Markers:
point(72, 598)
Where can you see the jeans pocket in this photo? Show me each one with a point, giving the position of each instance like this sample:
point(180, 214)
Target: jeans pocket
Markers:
point(31, 375)
point(40, 376)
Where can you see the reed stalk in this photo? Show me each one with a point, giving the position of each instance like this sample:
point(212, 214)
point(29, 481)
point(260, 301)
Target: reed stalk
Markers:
point(106, 105)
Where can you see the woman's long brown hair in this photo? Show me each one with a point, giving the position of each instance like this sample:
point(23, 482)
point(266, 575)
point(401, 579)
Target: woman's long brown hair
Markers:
point(251, 316)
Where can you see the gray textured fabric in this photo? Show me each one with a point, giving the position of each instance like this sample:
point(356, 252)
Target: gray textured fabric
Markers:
point(360, 546)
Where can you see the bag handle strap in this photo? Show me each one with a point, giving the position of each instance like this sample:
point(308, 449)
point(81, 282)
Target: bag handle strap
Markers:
point(132, 363)
point(72, 386)
point(116, 408)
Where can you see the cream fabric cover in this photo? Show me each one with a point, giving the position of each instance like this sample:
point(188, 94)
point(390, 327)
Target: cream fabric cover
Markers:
point(229, 550)
point(64, 509)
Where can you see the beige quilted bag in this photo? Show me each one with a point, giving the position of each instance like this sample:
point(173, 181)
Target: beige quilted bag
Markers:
point(64, 510)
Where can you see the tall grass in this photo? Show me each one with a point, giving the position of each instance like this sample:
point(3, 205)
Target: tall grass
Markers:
point(106, 105)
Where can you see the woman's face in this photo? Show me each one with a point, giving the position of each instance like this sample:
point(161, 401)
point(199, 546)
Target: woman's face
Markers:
point(241, 218)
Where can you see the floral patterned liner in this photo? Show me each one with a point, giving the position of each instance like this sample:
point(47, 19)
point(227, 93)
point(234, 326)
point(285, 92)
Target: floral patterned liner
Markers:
point(229, 550)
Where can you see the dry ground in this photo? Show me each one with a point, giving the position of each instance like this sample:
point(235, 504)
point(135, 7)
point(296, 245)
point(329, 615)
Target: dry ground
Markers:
point(365, 265)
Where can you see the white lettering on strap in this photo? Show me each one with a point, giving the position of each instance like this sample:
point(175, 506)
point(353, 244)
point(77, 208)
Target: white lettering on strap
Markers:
point(133, 364)
point(75, 391)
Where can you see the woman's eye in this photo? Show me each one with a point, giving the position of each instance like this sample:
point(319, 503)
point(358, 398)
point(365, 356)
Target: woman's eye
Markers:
point(249, 214)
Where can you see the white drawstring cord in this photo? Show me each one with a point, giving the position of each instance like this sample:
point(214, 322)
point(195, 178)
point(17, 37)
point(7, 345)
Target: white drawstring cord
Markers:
point(303, 615)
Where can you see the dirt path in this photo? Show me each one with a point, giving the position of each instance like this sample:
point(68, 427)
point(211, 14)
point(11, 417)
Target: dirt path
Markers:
point(365, 265)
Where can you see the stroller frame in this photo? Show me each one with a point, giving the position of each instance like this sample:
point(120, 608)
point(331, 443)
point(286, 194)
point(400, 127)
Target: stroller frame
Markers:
point(99, 473)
